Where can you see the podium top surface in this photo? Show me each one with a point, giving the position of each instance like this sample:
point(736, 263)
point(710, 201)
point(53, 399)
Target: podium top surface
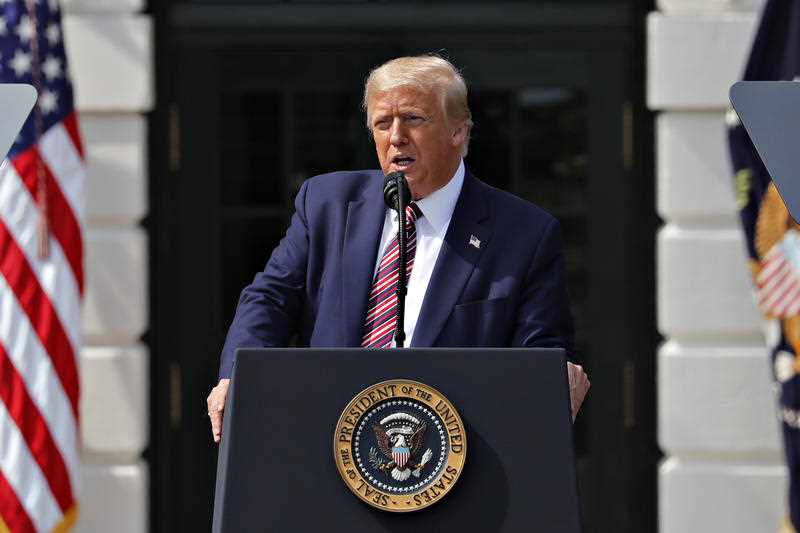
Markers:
point(276, 470)
point(770, 113)
point(16, 102)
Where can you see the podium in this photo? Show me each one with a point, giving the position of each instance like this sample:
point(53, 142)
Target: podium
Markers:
point(277, 470)
point(770, 113)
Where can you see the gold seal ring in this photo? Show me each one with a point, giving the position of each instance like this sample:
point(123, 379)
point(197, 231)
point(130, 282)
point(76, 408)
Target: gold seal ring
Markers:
point(400, 445)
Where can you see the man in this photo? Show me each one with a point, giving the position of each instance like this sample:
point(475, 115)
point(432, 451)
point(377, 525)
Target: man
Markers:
point(485, 267)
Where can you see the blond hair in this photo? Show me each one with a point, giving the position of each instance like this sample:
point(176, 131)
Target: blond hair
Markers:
point(428, 73)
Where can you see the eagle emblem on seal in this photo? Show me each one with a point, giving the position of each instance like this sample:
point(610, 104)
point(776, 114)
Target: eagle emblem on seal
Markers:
point(400, 437)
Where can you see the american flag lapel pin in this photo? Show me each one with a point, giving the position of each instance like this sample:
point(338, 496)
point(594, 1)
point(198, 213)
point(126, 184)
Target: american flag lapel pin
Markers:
point(474, 241)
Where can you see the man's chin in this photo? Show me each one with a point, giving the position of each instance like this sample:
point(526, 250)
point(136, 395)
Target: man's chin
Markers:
point(407, 170)
point(411, 176)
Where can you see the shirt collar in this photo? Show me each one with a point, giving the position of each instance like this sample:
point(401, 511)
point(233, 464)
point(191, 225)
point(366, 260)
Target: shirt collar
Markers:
point(438, 206)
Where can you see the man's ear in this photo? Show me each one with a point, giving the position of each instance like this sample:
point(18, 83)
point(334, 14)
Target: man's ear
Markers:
point(460, 134)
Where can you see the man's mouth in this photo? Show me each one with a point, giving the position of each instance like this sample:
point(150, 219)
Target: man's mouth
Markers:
point(402, 162)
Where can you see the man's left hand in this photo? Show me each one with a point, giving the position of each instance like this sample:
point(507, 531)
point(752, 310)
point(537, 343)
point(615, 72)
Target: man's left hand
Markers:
point(578, 387)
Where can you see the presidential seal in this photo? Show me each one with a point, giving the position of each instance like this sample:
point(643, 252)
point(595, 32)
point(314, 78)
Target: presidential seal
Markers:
point(400, 445)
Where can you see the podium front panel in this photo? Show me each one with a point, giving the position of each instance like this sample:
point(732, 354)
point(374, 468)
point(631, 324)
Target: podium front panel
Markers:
point(276, 469)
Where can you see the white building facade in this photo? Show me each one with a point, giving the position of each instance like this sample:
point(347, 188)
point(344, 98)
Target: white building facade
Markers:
point(723, 467)
point(110, 52)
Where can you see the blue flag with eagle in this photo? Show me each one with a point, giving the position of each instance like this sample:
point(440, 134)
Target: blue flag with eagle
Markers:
point(773, 238)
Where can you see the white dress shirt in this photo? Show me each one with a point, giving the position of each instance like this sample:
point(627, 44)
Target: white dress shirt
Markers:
point(437, 209)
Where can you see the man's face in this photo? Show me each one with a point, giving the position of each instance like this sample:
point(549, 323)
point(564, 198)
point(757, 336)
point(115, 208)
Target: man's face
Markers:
point(412, 135)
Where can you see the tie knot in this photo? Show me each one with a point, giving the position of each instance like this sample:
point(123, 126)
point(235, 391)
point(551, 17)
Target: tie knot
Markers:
point(413, 212)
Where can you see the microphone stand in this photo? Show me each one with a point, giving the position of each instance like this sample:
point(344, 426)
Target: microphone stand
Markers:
point(402, 285)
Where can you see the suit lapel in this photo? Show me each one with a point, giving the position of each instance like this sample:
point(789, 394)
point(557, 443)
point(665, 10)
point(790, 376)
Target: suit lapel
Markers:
point(359, 252)
point(466, 238)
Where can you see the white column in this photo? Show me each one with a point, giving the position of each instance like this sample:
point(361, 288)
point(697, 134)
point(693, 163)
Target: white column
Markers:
point(109, 47)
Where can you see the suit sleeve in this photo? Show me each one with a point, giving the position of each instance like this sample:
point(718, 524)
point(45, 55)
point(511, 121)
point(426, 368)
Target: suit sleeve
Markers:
point(269, 308)
point(543, 318)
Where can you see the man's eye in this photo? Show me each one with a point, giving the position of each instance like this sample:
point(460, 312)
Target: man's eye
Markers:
point(381, 125)
point(414, 119)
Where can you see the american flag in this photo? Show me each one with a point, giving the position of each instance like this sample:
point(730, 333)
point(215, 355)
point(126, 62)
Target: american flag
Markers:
point(41, 279)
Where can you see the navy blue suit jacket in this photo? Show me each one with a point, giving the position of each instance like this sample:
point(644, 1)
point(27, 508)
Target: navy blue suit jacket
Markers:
point(510, 291)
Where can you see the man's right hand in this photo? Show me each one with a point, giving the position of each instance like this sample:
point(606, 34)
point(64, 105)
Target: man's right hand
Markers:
point(216, 407)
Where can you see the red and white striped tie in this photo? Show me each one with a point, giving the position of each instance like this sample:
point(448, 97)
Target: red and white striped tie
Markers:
point(381, 320)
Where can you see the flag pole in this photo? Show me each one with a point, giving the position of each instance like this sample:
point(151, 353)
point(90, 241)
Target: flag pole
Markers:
point(41, 178)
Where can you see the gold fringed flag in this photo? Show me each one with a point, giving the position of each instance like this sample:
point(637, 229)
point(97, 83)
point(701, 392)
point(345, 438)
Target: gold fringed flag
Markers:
point(773, 238)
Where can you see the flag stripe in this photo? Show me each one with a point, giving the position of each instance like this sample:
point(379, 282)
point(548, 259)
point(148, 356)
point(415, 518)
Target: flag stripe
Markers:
point(774, 281)
point(34, 430)
point(25, 477)
point(771, 265)
point(37, 306)
point(36, 369)
point(789, 293)
point(21, 214)
point(11, 511)
point(71, 125)
point(771, 272)
point(780, 290)
point(64, 161)
point(62, 220)
point(788, 300)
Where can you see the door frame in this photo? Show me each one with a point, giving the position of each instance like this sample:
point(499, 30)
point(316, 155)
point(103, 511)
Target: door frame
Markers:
point(622, 221)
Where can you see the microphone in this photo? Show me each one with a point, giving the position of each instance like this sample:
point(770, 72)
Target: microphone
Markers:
point(397, 196)
point(392, 184)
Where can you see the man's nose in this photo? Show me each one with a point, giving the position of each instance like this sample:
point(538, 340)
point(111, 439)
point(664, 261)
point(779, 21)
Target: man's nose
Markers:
point(398, 133)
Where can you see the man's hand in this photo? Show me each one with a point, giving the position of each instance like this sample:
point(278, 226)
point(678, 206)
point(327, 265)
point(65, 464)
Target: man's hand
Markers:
point(216, 406)
point(578, 387)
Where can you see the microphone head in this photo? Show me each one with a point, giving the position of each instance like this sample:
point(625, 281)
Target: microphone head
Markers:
point(391, 182)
